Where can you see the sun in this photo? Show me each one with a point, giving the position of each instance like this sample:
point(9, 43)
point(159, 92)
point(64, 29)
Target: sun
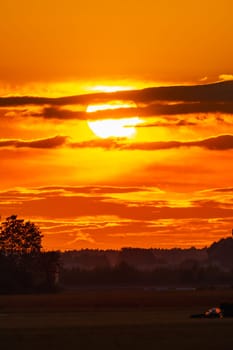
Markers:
point(121, 127)
point(114, 127)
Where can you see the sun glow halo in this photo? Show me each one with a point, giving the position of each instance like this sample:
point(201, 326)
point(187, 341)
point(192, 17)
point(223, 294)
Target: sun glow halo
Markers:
point(110, 106)
point(107, 88)
point(122, 127)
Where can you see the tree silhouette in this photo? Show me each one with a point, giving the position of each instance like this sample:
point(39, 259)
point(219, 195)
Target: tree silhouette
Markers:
point(222, 252)
point(23, 267)
point(19, 237)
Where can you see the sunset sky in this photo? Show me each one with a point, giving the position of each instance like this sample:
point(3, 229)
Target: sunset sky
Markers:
point(116, 121)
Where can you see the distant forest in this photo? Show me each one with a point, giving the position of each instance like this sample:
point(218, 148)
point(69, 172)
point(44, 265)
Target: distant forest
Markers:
point(158, 267)
point(26, 268)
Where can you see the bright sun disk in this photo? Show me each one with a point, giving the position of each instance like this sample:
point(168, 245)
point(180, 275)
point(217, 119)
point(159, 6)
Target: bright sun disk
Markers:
point(122, 127)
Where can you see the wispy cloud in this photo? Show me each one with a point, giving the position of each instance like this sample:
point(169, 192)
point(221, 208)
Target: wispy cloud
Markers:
point(226, 77)
point(75, 219)
point(218, 143)
point(58, 113)
point(77, 205)
point(52, 142)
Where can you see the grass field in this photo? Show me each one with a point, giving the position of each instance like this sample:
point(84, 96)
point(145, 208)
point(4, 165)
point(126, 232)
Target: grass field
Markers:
point(114, 319)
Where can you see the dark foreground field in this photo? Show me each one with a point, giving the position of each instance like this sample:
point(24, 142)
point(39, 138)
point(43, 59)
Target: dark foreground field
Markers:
point(114, 319)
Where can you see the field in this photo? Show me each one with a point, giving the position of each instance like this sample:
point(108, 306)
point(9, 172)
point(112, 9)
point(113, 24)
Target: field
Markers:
point(114, 319)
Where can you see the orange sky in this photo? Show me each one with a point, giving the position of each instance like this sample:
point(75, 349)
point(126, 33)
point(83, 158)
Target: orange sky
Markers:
point(159, 40)
point(159, 173)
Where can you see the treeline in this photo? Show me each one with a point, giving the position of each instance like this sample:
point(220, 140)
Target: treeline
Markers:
point(219, 253)
point(135, 266)
point(140, 258)
point(25, 268)
point(126, 275)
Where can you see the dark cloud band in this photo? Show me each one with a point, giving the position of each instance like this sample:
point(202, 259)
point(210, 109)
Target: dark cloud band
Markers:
point(218, 143)
point(169, 100)
point(52, 142)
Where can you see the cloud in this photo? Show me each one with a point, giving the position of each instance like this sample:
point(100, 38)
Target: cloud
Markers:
point(19, 195)
point(158, 109)
point(86, 218)
point(218, 143)
point(166, 100)
point(151, 110)
point(108, 144)
point(211, 203)
point(52, 142)
point(80, 206)
point(224, 190)
point(100, 190)
point(226, 77)
point(168, 123)
point(58, 113)
point(81, 236)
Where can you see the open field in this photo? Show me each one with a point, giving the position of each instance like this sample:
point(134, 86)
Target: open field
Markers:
point(114, 319)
